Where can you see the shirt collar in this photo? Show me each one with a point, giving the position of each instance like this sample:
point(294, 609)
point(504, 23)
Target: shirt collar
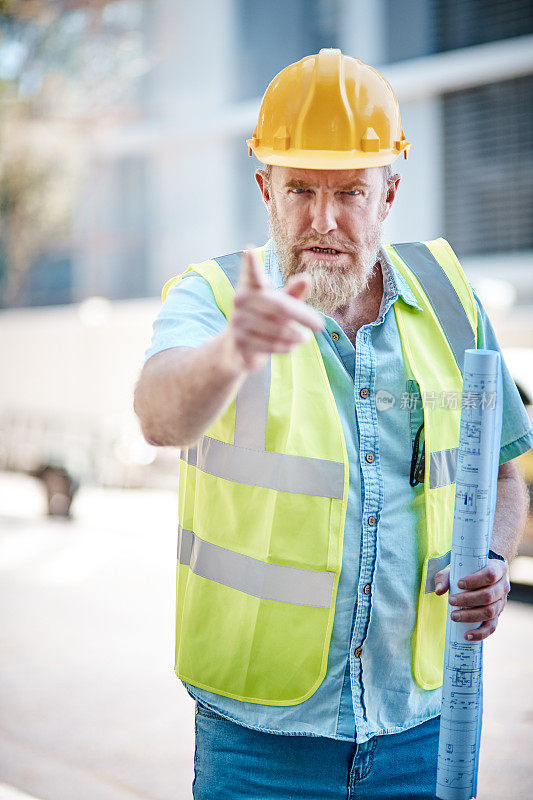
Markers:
point(272, 267)
point(394, 284)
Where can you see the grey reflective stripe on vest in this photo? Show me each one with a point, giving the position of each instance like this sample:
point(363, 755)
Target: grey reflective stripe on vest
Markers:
point(435, 565)
point(252, 409)
point(442, 467)
point(279, 471)
point(443, 297)
point(231, 264)
point(301, 587)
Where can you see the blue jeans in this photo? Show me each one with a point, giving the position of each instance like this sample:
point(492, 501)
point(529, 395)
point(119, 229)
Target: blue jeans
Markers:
point(232, 762)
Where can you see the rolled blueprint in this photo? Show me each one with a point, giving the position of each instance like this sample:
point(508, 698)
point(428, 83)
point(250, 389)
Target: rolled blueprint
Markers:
point(475, 502)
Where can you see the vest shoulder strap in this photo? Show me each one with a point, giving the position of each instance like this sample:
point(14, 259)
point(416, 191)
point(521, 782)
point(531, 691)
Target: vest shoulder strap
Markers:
point(442, 279)
point(222, 273)
point(215, 275)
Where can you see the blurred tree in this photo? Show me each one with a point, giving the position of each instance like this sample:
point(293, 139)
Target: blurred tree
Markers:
point(67, 67)
point(35, 209)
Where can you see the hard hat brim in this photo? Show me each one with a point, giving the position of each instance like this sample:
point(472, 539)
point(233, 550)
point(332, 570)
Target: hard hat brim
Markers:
point(325, 159)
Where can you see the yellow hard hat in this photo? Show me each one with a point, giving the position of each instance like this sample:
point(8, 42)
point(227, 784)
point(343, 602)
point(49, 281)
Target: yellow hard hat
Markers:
point(329, 111)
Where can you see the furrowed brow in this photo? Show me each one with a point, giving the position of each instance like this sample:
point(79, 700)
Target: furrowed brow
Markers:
point(296, 183)
point(357, 184)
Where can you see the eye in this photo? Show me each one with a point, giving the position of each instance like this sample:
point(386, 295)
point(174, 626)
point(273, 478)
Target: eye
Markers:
point(353, 192)
point(299, 191)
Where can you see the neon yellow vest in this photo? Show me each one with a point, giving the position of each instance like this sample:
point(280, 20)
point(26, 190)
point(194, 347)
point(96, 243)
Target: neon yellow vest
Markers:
point(263, 497)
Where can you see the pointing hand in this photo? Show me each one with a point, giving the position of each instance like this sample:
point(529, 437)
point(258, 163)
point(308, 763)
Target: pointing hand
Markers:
point(266, 320)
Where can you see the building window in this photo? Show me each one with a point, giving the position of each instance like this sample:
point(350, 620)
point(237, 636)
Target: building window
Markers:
point(272, 35)
point(418, 28)
point(129, 217)
point(489, 167)
point(463, 24)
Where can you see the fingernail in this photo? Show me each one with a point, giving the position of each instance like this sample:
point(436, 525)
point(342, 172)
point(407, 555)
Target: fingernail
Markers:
point(453, 601)
point(461, 584)
point(469, 636)
point(438, 587)
point(455, 615)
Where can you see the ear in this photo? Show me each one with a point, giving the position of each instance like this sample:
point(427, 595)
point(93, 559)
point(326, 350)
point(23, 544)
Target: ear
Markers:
point(263, 181)
point(391, 193)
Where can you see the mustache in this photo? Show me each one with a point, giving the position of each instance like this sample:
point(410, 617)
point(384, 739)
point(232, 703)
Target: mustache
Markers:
point(346, 246)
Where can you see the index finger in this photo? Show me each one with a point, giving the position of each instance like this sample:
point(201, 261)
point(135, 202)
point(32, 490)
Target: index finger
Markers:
point(487, 576)
point(251, 277)
point(299, 311)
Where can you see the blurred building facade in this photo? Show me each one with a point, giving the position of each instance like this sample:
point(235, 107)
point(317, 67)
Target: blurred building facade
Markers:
point(177, 185)
point(144, 107)
point(170, 90)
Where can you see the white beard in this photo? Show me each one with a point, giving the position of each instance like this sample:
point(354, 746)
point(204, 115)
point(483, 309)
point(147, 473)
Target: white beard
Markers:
point(331, 289)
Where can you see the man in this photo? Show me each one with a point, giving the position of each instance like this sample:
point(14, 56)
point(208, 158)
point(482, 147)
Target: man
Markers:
point(307, 519)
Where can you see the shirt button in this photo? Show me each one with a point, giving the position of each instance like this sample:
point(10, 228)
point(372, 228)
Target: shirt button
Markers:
point(367, 589)
point(371, 520)
point(364, 392)
point(357, 652)
point(369, 457)
point(335, 336)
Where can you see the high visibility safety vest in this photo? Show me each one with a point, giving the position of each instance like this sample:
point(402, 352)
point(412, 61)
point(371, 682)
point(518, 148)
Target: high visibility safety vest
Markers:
point(263, 497)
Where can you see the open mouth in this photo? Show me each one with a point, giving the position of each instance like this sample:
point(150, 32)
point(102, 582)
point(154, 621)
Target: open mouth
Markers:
point(325, 251)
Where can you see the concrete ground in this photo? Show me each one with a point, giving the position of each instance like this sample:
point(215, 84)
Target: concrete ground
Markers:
point(90, 708)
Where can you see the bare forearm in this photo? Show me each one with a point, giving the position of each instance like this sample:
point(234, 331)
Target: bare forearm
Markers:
point(181, 394)
point(510, 515)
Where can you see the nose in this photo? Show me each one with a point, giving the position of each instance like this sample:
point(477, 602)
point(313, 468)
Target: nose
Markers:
point(323, 214)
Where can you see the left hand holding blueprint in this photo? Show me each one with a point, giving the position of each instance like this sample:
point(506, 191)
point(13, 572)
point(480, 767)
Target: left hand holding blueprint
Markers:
point(483, 597)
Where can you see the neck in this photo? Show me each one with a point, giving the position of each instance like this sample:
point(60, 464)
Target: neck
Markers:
point(363, 308)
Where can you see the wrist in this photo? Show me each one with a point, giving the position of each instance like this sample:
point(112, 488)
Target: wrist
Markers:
point(232, 360)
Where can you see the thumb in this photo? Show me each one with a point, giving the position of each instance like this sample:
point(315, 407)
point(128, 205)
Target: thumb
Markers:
point(298, 286)
point(442, 581)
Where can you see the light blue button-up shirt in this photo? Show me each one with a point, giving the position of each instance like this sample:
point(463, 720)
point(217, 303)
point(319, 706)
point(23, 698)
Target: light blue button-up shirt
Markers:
point(369, 686)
